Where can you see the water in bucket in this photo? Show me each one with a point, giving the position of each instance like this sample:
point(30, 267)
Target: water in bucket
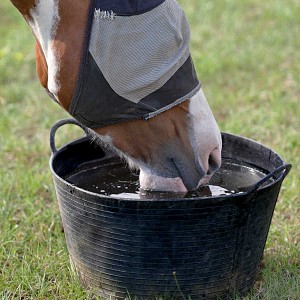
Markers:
point(114, 179)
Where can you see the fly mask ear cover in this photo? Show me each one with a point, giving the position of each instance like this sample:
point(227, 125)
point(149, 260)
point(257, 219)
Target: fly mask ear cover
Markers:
point(136, 62)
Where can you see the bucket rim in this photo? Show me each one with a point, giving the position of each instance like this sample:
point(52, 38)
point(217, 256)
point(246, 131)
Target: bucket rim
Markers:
point(220, 198)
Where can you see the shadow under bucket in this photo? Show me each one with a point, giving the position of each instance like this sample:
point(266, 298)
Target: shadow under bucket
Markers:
point(174, 248)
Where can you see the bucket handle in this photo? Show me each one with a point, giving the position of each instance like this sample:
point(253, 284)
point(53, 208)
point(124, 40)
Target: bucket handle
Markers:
point(284, 168)
point(62, 123)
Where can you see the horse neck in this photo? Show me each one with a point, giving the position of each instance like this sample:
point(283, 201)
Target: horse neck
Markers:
point(24, 6)
point(59, 30)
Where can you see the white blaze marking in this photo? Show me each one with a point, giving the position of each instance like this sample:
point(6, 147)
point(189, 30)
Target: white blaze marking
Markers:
point(205, 133)
point(44, 23)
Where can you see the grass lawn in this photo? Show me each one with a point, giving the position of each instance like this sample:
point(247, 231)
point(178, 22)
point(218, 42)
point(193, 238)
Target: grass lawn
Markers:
point(247, 56)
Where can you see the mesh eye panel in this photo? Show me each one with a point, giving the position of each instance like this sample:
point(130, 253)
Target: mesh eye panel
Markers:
point(139, 54)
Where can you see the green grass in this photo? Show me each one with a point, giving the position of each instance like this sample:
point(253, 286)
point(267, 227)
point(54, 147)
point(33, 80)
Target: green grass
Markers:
point(247, 56)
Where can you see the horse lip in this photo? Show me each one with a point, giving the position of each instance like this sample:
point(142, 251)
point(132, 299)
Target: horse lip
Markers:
point(204, 180)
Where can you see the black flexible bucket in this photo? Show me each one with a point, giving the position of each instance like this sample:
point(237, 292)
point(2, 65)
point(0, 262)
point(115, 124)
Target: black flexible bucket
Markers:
point(196, 248)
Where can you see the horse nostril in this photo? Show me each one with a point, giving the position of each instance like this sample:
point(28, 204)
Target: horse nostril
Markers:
point(214, 161)
point(209, 162)
point(213, 165)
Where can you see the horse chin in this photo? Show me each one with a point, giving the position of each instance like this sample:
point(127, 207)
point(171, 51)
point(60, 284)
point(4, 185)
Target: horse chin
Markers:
point(151, 182)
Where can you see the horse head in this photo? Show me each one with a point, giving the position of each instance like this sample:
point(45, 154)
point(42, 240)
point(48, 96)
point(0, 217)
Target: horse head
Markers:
point(152, 110)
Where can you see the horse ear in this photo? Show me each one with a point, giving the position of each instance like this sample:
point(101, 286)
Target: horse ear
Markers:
point(41, 65)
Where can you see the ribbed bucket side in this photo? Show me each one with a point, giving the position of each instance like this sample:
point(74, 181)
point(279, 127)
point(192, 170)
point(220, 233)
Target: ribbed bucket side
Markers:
point(252, 238)
point(182, 248)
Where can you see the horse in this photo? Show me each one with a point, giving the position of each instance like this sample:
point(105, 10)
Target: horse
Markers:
point(170, 135)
